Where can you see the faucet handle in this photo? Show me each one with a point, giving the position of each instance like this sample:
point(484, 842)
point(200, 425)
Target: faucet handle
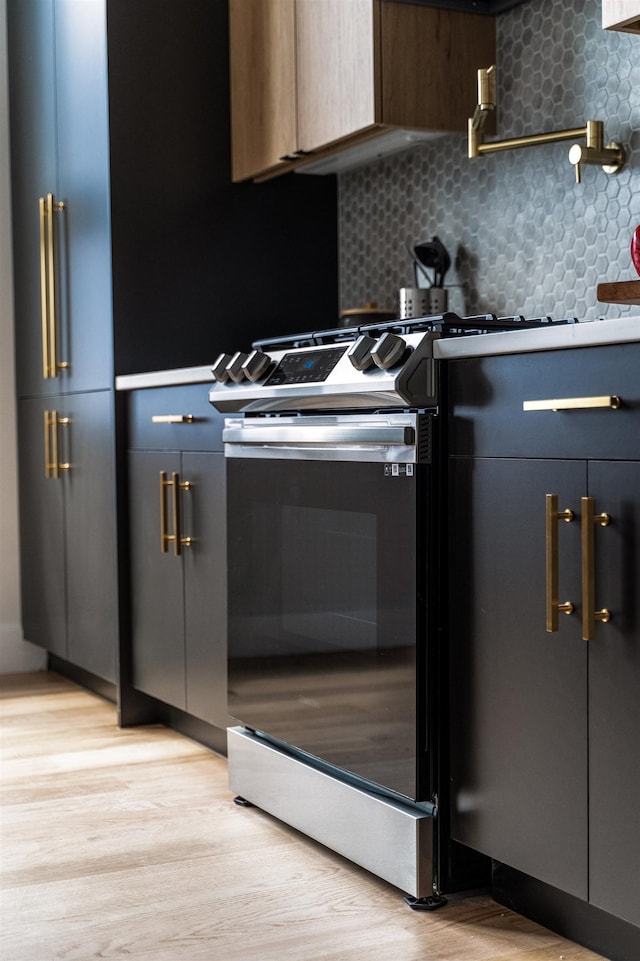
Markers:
point(576, 158)
point(611, 158)
point(487, 88)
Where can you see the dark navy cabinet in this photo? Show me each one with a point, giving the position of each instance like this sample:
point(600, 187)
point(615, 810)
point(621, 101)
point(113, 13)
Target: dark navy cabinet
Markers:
point(59, 139)
point(34, 175)
point(69, 581)
point(545, 724)
point(64, 354)
point(519, 741)
point(177, 481)
point(614, 694)
point(133, 251)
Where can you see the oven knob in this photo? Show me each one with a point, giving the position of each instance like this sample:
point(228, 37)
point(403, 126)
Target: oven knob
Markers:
point(360, 352)
point(256, 365)
point(219, 369)
point(234, 367)
point(388, 351)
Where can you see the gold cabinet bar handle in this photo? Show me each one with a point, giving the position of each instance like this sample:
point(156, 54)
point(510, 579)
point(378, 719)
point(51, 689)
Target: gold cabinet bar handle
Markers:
point(185, 541)
point(589, 614)
point(52, 465)
point(164, 537)
point(48, 463)
point(178, 540)
point(55, 460)
point(175, 505)
point(51, 287)
point(573, 403)
point(172, 419)
point(553, 606)
point(62, 422)
point(44, 297)
point(50, 257)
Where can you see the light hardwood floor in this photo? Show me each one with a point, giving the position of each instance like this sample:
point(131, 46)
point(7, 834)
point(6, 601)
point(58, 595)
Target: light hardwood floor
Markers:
point(125, 844)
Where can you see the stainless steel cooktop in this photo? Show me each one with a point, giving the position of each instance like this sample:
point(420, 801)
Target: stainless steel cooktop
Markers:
point(372, 366)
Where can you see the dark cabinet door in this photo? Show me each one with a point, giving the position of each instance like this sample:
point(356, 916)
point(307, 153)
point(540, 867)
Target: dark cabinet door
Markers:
point(33, 172)
point(90, 534)
point(59, 140)
point(519, 694)
point(67, 526)
point(157, 597)
point(614, 695)
point(42, 523)
point(205, 563)
point(179, 629)
point(84, 314)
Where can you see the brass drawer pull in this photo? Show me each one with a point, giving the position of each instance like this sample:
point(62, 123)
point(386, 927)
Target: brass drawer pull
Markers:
point(180, 539)
point(52, 465)
point(573, 403)
point(44, 295)
point(176, 538)
point(50, 439)
point(172, 419)
point(589, 614)
point(165, 537)
point(553, 606)
point(48, 296)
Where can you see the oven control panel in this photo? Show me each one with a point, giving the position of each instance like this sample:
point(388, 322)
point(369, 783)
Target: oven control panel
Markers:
point(312, 367)
point(358, 373)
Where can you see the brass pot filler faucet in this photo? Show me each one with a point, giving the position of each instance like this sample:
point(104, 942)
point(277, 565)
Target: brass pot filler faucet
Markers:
point(611, 157)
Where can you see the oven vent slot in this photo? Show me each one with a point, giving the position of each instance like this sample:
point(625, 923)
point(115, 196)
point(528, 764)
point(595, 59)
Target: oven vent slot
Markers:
point(424, 439)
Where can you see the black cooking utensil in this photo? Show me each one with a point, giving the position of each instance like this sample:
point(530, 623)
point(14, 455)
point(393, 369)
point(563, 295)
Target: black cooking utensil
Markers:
point(432, 253)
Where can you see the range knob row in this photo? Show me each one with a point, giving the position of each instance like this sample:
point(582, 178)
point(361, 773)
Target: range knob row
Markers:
point(240, 366)
point(385, 352)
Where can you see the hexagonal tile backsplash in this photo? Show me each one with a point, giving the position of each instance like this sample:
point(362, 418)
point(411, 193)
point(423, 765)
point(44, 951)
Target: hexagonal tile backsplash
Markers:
point(523, 236)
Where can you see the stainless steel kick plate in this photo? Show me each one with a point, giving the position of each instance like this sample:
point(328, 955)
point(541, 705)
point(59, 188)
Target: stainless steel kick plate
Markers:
point(393, 841)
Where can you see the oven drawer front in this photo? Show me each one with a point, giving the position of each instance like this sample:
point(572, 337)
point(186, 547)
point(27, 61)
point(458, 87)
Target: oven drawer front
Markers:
point(174, 418)
point(581, 403)
point(397, 438)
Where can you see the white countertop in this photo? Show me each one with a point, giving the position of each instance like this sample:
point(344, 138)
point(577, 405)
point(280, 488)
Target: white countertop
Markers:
point(166, 378)
point(618, 331)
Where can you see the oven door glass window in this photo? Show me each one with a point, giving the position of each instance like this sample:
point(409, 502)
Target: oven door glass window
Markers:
point(324, 612)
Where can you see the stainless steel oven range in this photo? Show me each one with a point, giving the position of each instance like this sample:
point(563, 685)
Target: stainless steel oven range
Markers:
point(334, 519)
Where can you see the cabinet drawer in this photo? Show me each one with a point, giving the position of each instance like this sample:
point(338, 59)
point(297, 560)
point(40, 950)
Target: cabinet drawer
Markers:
point(174, 418)
point(487, 394)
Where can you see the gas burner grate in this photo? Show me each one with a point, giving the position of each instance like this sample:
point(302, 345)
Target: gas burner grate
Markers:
point(447, 325)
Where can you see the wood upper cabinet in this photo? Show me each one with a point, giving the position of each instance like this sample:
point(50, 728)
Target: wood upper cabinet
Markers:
point(263, 83)
point(310, 78)
point(337, 49)
point(621, 15)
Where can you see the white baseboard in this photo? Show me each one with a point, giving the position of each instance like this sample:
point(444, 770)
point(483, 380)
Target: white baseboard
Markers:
point(17, 656)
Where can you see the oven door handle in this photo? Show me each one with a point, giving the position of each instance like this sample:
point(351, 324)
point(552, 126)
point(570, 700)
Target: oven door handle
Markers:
point(376, 434)
point(395, 437)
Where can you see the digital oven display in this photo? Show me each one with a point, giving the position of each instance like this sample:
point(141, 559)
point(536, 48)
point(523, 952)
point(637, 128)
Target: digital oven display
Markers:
point(311, 367)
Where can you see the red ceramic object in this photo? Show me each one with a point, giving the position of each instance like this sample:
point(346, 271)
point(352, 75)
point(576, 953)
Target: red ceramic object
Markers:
point(635, 249)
